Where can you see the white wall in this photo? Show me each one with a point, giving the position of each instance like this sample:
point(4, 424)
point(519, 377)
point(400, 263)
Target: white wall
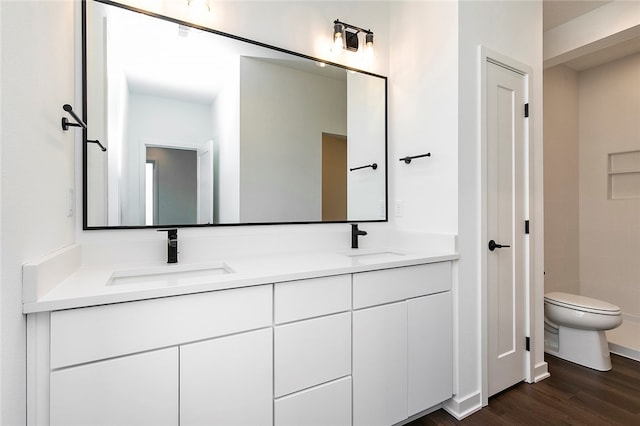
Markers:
point(423, 112)
point(609, 108)
point(365, 117)
point(226, 139)
point(561, 217)
point(37, 78)
point(282, 180)
point(512, 29)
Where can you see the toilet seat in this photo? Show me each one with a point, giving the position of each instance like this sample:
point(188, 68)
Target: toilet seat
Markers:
point(581, 303)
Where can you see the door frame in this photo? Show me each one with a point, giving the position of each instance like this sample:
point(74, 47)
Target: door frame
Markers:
point(485, 56)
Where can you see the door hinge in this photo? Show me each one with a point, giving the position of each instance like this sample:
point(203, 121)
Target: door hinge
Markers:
point(527, 344)
point(526, 226)
point(526, 110)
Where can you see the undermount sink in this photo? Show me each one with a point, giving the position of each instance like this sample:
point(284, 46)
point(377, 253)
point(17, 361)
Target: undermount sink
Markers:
point(171, 275)
point(374, 255)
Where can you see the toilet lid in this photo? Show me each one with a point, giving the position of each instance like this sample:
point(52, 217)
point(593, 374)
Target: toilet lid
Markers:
point(581, 303)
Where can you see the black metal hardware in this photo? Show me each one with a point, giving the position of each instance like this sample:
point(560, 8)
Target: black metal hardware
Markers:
point(408, 158)
point(526, 226)
point(79, 123)
point(355, 233)
point(66, 124)
point(337, 21)
point(527, 344)
point(526, 110)
point(493, 245)
point(373, 166)
point(99, 144)
point(172, 244)
point(350, 34)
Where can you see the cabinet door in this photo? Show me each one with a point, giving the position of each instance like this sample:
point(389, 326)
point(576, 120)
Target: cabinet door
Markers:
point(133, 390)
point(430, 364)
point(380, 365)
point(227, 381)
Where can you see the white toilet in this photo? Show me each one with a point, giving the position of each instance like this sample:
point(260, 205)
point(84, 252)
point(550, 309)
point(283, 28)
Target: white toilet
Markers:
point(574, 328)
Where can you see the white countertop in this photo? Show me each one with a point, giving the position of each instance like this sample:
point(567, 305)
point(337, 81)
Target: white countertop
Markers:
point(89, 286)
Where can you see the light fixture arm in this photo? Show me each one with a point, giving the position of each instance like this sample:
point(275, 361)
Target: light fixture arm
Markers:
point(353, 27)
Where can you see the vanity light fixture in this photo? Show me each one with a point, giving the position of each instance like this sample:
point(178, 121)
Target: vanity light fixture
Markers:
point(346, 36)
point(200, 4)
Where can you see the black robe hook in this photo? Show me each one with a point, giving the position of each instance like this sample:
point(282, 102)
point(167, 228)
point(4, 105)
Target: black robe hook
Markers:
point(66, 123)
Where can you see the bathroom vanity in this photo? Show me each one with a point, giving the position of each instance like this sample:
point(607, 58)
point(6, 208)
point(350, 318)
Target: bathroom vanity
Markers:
point(334, 338)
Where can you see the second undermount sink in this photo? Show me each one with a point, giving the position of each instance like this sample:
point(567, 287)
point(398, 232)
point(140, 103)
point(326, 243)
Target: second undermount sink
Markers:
point(171, 275)
point(374, 255)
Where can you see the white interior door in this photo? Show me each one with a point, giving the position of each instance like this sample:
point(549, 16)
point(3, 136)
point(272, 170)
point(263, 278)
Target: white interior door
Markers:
point(506, 209)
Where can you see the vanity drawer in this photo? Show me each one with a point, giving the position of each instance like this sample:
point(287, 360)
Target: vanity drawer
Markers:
point(328, 404)
point(390, 285)
point(311, 352)
point(297, 300)
point(89, 334)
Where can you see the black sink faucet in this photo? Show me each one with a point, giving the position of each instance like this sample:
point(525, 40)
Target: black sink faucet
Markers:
point(172, 244)
point(355, 232)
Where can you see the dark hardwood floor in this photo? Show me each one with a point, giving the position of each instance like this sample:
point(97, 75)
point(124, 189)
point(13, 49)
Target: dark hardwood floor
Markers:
point(573, 395)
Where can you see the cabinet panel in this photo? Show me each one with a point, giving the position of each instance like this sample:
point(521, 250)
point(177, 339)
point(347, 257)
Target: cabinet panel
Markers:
point(297, 300)
point(390, 285)
point(227, 381)
point(380, 365)
point(89, 334)
point(311, 352)
point(430, 348)
point(324, 405)
point(133, 390)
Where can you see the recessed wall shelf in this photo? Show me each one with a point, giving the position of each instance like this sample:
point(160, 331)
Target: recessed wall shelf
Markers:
point(623, 175)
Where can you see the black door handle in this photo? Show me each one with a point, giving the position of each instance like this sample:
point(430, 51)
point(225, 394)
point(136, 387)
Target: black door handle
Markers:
point(493, 245)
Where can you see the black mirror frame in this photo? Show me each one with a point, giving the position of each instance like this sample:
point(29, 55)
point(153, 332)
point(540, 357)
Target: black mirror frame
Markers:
point(85, 141)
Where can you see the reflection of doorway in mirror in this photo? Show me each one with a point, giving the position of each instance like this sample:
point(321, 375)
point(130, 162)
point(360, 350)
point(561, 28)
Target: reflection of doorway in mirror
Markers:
point(149, 192)
point(205, 183)
point(334, 177)
point(175, 185)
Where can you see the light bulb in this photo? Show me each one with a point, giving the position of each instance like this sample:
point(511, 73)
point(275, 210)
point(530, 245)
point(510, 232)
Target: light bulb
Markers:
point(337, 42)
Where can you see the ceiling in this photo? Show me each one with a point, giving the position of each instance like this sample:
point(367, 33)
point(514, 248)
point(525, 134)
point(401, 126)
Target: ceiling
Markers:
point(558, 12)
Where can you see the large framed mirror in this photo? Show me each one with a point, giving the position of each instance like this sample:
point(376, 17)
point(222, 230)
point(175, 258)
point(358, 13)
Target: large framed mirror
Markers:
point(203, 128)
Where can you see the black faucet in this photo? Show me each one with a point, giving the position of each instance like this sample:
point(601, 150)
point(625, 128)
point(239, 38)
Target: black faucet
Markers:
point(172, 244)
point(355, 232)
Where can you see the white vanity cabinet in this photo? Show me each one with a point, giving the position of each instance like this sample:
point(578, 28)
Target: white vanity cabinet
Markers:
point(312, 352)
point(356, 349)
point(402, 342)
point(109, 366)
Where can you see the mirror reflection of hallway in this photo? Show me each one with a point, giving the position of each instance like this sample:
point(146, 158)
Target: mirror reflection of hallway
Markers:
point(175, 182)
point(334, 177)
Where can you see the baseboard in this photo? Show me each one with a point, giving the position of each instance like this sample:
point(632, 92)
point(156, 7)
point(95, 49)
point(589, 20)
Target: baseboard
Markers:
point(463, 407)
point(624, 351)
point(541, 372)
